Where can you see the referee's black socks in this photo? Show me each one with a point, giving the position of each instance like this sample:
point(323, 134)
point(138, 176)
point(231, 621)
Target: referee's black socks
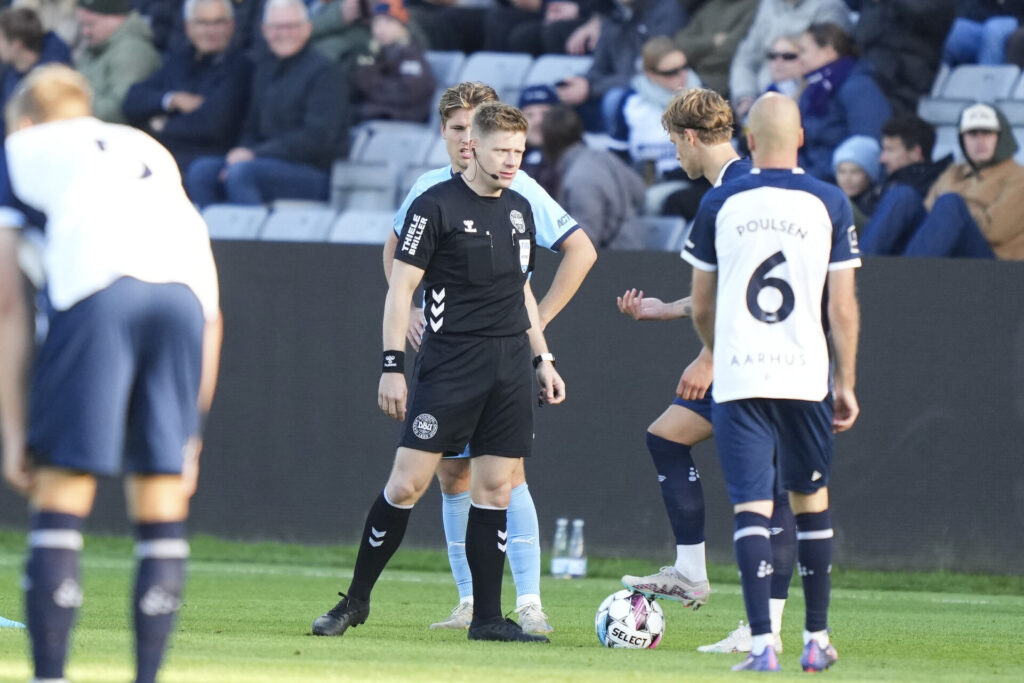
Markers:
point(385, 527)
point(486, 539)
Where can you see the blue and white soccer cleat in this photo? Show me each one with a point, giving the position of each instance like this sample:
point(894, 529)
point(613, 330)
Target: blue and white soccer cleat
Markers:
point(766, 661)
point(817, 658)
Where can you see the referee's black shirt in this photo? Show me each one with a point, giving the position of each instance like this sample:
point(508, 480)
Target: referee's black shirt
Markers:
point(476, 253)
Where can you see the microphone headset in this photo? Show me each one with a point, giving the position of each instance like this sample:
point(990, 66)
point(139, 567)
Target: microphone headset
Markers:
point(493, 175)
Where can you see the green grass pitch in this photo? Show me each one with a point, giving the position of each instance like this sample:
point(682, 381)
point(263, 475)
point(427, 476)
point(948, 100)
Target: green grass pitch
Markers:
point(248, 610)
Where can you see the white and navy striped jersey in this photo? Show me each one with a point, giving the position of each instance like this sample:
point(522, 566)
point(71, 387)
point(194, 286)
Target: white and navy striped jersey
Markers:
point(552, 222)
point(115, 207)
point(773, 236)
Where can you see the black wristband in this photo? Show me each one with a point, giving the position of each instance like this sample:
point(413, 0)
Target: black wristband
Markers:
point(394, 361)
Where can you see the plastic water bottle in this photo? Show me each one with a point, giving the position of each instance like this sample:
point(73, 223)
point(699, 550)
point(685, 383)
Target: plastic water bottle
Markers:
point(560, 553)
point(577, 553)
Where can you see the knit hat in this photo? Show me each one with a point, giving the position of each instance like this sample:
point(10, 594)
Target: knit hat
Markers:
point(979, 117)
point(392, 8)
point(537, 94)
point(106, 6)
point(861, 150)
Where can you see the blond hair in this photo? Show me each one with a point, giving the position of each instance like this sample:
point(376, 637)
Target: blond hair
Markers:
point(49, 93)
point(703, 111)
point(465, 95)
point(656, 49)
point(498, 116)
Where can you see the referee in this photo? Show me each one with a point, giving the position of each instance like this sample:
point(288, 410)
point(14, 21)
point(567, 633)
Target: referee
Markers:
point(471, 242)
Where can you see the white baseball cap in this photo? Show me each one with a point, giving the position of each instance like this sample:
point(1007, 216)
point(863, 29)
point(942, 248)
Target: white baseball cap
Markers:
point(979, 117)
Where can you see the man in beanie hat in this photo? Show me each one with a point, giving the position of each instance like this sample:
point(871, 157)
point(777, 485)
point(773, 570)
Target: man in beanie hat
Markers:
point(118, 53)
point(395, 80)
point(974, 207)
point(535, 101)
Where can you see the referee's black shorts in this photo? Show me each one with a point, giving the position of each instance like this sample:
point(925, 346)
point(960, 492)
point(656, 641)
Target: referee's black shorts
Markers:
point(471, 389)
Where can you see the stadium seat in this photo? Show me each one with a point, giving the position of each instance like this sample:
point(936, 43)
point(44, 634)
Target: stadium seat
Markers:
point(1013, 106)
point(656, 194)
point(940, 80)
point(503, 71)
point(549, 69)
point(361, 227)
point(446, 66)
point(965, 84)
point(407, 178)
point(233, 222)
point(437, 154)
point(947, 141)
point(298, 223)
point(393, 141)
point(663, 233)
point(363, 184)
point(1018, 133)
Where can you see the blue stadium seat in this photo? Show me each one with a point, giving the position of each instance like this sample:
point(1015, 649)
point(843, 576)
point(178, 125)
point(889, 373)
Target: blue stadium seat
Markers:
point(947, 141)
point(663, 233)
point(549, 69)
point(233, 222)
point(407, 178)
point(298, 222)
point(446, 66)
point(361, 227)
point(393, 141)
point(503, 71)
point(363, 184)
point(656, 194)
point(965, 84)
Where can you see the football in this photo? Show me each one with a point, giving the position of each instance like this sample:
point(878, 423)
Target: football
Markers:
point(629, 620)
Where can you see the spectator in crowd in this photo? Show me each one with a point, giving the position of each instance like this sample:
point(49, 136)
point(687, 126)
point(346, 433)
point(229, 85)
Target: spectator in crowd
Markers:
point(749, 74)
point(855, 165)
point(535, 101)
point(980, 31)
point(623, 34)
point(902, 39)
point(1015, 48)
point(297, 122)
point(542, 32)
point(784, 66)
point(163, 18)
point(195, 103)
point(636, 126)
point(840, 99)
point(25, 43)
point(974, 207)
point(907, 144)
point(597, 188)
point(118, 53)
point(341, 31)
point(57, 16)
point(395, 81)
point(711, 37)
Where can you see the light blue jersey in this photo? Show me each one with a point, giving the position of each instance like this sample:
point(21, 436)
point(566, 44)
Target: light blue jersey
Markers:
point(553, 223)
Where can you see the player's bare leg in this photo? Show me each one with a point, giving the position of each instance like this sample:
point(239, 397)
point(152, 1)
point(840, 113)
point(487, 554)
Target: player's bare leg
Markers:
point(382, 534)
point(158, 505)
point(486, 542)
point(61, 500)
point(669, 439)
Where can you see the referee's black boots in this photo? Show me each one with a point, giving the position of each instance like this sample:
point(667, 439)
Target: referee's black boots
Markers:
point(348, 612)
point(504, 630)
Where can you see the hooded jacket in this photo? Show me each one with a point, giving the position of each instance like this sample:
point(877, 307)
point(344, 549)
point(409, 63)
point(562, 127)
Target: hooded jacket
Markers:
point(127, 57)
point(993, 192)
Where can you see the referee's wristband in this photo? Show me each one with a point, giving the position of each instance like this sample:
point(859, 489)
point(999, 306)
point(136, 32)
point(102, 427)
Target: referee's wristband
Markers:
point(394, 361)
point(537, 360)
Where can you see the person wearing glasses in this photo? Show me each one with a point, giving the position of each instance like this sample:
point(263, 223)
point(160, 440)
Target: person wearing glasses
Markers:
point(295, 126)
point(636, 128)
point(195, 103)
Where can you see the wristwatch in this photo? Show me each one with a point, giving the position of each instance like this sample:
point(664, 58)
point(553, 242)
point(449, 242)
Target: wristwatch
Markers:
point(537, 360)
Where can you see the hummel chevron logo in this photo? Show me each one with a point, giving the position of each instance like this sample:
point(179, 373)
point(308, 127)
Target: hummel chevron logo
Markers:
point(438, 295)
point(376, 537)
point(502, 537)
point(436, 309)
point(436, 324)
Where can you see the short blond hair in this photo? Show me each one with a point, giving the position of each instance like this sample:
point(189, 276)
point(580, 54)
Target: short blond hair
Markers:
point(465, 95)
point(491, 117)
point(703, 111)
point(49, 93)
point(656, 49)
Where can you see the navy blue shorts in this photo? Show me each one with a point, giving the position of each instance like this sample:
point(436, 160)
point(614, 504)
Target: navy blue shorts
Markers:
point(472, 390)
point(118, 373)
point(701, 406)
point(749, 432)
